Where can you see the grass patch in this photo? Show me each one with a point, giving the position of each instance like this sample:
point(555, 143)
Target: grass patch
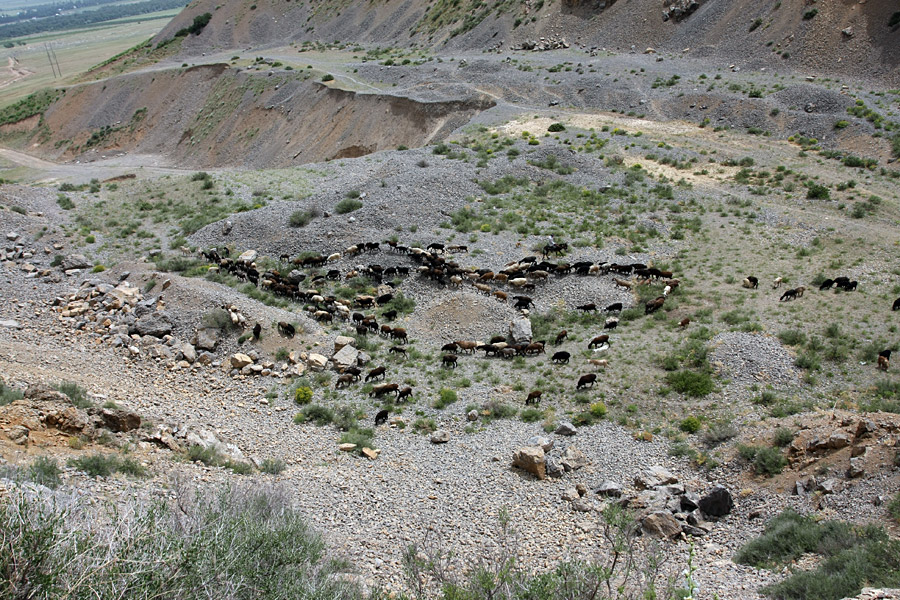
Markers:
point(76, 393)
point(8, 394)
point(104, 465)
point(690, 383)
point(445, 398)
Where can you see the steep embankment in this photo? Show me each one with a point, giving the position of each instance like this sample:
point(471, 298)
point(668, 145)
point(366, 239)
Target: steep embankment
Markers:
point(845, 37)
point(218, 116)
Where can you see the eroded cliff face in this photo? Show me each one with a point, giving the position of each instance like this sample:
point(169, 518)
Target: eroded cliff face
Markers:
point(215, 115)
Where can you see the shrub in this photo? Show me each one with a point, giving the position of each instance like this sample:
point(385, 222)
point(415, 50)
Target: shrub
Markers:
point(75, 392)
point(303, 395)
point(217, 318)
point(841, 124)
point(363, 438)
point(531, 415)
point(95, 465)
point(300, 218)
point(238, 467)
point(718, 432)
point(598, 410)
point(424, 425)
point(272, 466)
point(765, 460)
point(208, 456)
point(347, 205)
point(327, 77)
point(817, 191)
point(446, 397)
point(132, 467)
point(318, 414)
point(894, 507)
point(690, 383)
point(64, 202)
point(783, 437)
point(810, 14)
point(45, 471)
point(8, 394)
point(556, 127)
point(792, 337)
point(690, 425)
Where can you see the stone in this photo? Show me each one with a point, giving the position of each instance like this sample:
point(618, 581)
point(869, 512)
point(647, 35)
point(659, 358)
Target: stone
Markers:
point(69, 420)
point(118, 420)
point(75, 261)
point(847, 31)
point(189, 353)
point(692, 530)
point(441, 436)
point(570, 493)
point(239, 360)
point(41, 392)
point(581, 489)
point(520, 330)
point(472, 415)
point(346, 447)
point(248, 257)
point(12, 236)
point(689, 502)
point(532, 460)
point(341, 341)
point(540, 440)
point(829, 486)
point(717, 503)
point(856, 451)
point(298, 369)
point(346, 357)
point(369, 453)
point(316, 362)
point(17, 434)
point(856, 468)
point(206, 339)
point(609, 488)
point(573, 459)
point(582, 505)
point(206, 358)
point(565, 428)
point(206, 439)
point(10, 324)
point(865, 428)
point(156, 325)
point(661, 524)
point(653, 477)
point(552, 466)
point(838, 440)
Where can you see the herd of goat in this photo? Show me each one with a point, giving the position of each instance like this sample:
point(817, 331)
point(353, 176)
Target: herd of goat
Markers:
point(433, 264)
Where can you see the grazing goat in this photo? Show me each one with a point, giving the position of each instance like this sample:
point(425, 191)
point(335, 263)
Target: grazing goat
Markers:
point(386, 388)
point(343, 381)
point(614, 307)
point(848, 286)
point(560, 337)
point(382, 417)
point(449, 361)
point(404, 393)
point(598, 362)
point(826, 285)
point(684, 322)
point(751, 283)
point(611, 323)
point(586, 381)
point(534, 397)
point(286, 329)
point(777, 283)
point(654, 305)
point(467, 346)
point(623, 284)
point(561, 357)
point(451, 347)
point(587, 307)
point(523, 302)
point(599, 341)
point(884, 359)
point(376, 373)
point(257, 330)
point(397, 350)
point(791, 294)
point(896, 304)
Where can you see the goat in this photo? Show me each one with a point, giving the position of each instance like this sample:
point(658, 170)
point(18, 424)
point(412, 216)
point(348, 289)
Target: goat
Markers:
point(600, 363)
point(398, 333)
point(623, 284)
point(586, 381)
point(777, 283)
point(483, 288)
point(501, 296)
point(451, 347)
point(827, 284)
point(404, 393)
point(751, 283)
point(611, 323)
point(560, 337)
point(286, 329)
point(534, 397)
point(561, 357)
point(534, 348)
point(257, 329)
point(523, 302)
point(896, 304)
point(684, 322)
point(344, 380)
point(614, 307)
point(354, 371)
point(788, 295)
point(376, 373)
point(587, 307)
point(382, 417)
point(848, 286)
point(397, 350)
point(654, 305)
point(883, 362)
point(467, 346)
point(449, 361)
point(599, 341)
point(386, 388)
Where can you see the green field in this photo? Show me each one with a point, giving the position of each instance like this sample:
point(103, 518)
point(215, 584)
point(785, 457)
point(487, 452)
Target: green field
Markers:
point(76, 52)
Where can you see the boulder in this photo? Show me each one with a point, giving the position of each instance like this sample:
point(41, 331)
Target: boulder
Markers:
point(717, 503)
point(573, 459)
point(540, 440)
point(206, 358)
point(838, 440)
point(207, 439)
point(206, 339)
point(317, 362)
point(520, 330)
point(369, 453)
point(10, 324)
point(570, 493)
point(248, 257)
point(441, 436)
point(856, 468)
point(69, 420)
point(582, 505)
point(531, 459)
point(662, 524)
point(341, 341)
point(12, 236)
point(609, 488)
point(239, 361)
point(345, 357)
point(565, 428)
point(189, 352)
point(17, 434)
point(654, 477)
point(118, 420)
point(75, 261)
point(829, 486)
point(155, 324)
point(472, 415)
point(41, 392)
point(346, 447)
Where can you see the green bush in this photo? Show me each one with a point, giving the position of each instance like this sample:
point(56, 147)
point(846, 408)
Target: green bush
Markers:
point(424, 425)
point(783, 437)
point(894, 507)
point(363, 438)
point(531, 415)
point(64, 202)
point(8, 394)
point(719, 432)
point(765, 460)
point(318, 414)
point(96, 465)
point(327, 77)
point(598, 410)
point(208, 456)
point(810, 14)
point(300, 218)
point(792, 337)
point(238, 467)
point(446, 397)
point(45, 471)
point(76, 393)
point(272, 466)
point(217, 318)
point(817, 191)
point(690, 383)
point(347, 205)
point(303, 395)
point(556, 127)
point(690, 425)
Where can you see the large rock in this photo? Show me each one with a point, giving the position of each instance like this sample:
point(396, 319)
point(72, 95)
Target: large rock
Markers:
point(573, 459)
point(520, 330)
point(661, 523)
point(155, 324)
point(75, 261)
point(189, 352)
point(206, 339)
point(441, 436)
point(248, 257)
point(531, 459)
point(17, 434)
point(207, 439)
point(654, 477)
point(346, 357)
point(540, 440)
point(565, 428)
point(317, 362)
point(118, 420)
point(717, 503)
point(609, 488)
point(341, 341)
point(239, 361)
point(41, 392)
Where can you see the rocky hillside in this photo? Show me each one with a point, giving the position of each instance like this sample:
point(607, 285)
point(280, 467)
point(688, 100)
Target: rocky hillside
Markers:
point(835, 37)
